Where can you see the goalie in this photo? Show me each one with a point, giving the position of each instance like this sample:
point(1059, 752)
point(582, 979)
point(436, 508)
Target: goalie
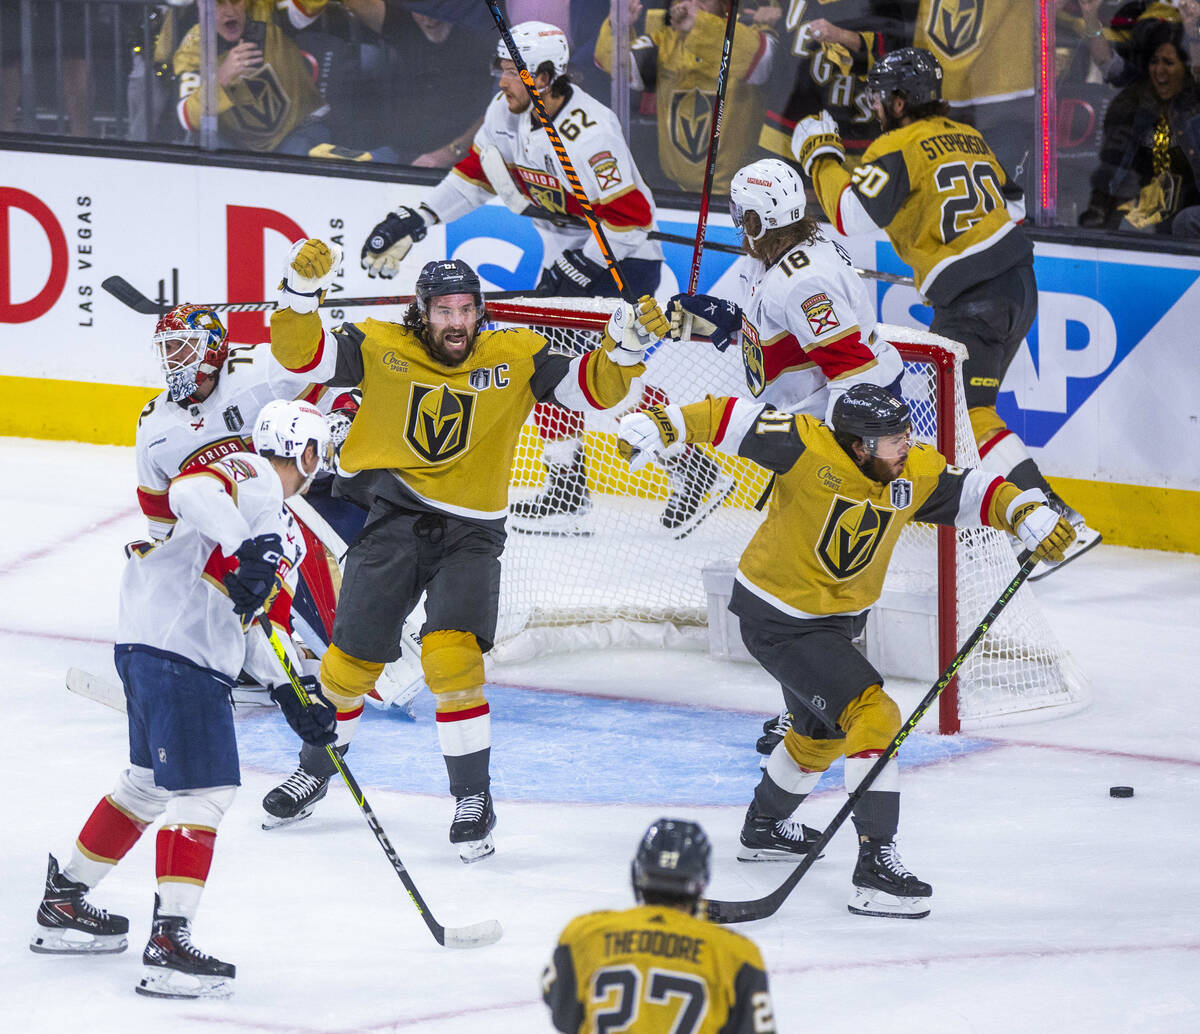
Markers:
point(805, 584)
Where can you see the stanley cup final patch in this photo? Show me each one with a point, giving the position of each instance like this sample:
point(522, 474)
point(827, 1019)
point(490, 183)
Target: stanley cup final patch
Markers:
point(902, 491)
point(818, 310)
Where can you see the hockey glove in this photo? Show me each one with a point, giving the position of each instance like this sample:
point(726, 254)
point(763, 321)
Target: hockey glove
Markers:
point(814, 136)
point(1042, 531)
point(315, 722)
point(703, 316)
point(252, 584)
point(392, 239)
point(574, 275)
point(311, 267)
point(648, 434)
point(631, 331)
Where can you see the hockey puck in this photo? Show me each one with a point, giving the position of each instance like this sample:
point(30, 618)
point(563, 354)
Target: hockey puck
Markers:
point(1120, 791)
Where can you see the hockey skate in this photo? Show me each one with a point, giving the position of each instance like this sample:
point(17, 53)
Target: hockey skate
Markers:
point(471, 828)
point(698, 487)
point(766, 839)
point(295, 798)
point(172, 967)
point(774, 730)
point(1085, 539)
point(68, 924)
point(883, 887)
point(561, 507)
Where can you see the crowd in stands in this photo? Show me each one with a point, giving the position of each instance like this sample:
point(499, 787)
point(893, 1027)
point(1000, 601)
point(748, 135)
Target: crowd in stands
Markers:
point(404, 81)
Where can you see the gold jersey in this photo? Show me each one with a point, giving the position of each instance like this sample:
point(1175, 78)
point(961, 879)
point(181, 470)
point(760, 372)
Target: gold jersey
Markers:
point(445, 434)
point(985, 47)
point(656, 970)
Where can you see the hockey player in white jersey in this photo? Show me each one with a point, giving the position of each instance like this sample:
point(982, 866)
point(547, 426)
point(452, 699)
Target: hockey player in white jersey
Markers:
point(512, 157)
point(184, 631)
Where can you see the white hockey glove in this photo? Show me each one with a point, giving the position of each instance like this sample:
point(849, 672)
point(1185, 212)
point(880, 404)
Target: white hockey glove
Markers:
point(631, 331)
point(702, 315)
point(1043, 532)
point(649, 434)
point(496, 171)
point(311, 267)
point(814, 136)
point(388, 243)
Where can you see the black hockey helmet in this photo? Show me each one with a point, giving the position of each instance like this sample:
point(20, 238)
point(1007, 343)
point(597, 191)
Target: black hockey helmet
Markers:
point(910, 71)
point(870, 412)
point(673, 860)
point(447, 276)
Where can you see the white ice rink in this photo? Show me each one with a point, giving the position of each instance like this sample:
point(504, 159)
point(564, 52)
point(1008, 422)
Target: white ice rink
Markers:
point(1056, 908)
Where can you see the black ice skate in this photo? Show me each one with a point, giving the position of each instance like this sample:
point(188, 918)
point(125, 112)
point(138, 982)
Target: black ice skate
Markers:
point(295, 798)
point(697, 489)
point(1085, 539)
point(766, 839)
point(883, 887)
point(68, 924)
point(561, 506)
point(173, 968)
point(471, 828)
point(774, 730)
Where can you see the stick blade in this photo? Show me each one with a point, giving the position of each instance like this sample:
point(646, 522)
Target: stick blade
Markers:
point(127, 294)
point(85, 684)
point(477, 935)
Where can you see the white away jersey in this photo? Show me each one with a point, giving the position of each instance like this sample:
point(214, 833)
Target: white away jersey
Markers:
point(171, 438)
point(172, 596)
point(808, 330)
point(607, 172)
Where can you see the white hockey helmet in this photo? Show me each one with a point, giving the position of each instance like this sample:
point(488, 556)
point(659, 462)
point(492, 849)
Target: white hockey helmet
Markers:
point(537, 43)
point(772, 190)
point(284, 428)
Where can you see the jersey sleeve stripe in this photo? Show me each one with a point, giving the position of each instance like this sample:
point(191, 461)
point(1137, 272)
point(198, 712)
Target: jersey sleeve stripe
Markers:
point(313, 363)
point(583, 380)
point(154, 504)
point(226, 482)
point(986, 502)
point(763, 42)
point(723, 423)
point(843, 356)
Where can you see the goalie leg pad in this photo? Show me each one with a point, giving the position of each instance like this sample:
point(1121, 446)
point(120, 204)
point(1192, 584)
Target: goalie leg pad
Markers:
point(345, 680)
point(870, 721)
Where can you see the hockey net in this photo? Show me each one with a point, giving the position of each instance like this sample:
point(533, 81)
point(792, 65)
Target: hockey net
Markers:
point(631, 580)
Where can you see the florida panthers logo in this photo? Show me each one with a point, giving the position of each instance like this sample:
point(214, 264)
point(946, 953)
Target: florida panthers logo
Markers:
point(439, 421)
point(851, 537)
point(752, 358)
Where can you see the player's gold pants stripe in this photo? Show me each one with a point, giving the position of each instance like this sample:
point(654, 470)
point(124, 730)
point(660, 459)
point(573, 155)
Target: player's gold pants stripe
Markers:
point(345, 680)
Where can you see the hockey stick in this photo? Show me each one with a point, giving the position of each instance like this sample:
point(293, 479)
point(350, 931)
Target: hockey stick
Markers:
point(474, 936)
point(125, 292)
point(714, 136)
point(760, 908)
point(93, 687)
point(564, 161)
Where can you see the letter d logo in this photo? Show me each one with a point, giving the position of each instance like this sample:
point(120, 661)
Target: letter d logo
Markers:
point(43, 301)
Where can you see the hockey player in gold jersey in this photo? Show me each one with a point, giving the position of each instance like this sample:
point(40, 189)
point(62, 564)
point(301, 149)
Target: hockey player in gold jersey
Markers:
point(808, 578)
point(658, 968)
point(431, 450)
point(952, 213)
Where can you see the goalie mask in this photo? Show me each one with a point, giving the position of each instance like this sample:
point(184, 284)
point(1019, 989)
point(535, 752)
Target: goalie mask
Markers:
point(285, 428)
point(538, 43)
point(191, 344)
point(673, 861)
point(772, 190)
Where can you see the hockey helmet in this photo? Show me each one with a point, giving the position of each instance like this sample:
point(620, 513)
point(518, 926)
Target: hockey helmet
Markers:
point(870, 412)
point(192, 345)
point(447, 276)
point(285, 428)
point(772, 190)
point(538, 43)
point(910, 71)
point(673, 859)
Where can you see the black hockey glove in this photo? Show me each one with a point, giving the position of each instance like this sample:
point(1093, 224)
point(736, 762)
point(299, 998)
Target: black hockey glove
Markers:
point(574, 275)
point(316, 722)
point(390, 241)
point(251, 585)
point(703, 316)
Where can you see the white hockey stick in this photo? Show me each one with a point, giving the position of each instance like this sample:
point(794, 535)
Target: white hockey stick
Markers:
point(85, 684)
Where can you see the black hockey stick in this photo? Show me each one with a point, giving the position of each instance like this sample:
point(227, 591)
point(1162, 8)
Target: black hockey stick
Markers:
point(760, 908)
point(474, 936)
point(125, 292)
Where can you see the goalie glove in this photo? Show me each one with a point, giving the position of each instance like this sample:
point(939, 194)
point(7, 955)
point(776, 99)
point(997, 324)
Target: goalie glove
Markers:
point(649, 434)
point(311, 267)
point(392, 239)
point(1043, 532)
point(702, 315)
point(631, 331)
point(814, 136)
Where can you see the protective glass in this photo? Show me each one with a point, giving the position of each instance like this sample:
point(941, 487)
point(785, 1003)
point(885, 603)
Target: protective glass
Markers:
point(891, 446)
point(736, 213)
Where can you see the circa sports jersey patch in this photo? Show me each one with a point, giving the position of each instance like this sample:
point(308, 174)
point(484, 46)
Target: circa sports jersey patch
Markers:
point(604, 165)
point(439, 421)
point(818, 310)
point(902, 491)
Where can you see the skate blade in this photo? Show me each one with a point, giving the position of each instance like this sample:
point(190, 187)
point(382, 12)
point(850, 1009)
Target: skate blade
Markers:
point(53, 941)
point(278, 821)
point(157, 982)
point(882, 905)
point(1085, 539)
point(476, 850)
point(721, 489)
point(769, 854)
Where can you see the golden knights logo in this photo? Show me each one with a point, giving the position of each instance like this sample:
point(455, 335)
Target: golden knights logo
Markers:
point(954, 25)
point(691, 117)
point(851, 537)
point(752, 358)
point(269, 106)
point(439, 421)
